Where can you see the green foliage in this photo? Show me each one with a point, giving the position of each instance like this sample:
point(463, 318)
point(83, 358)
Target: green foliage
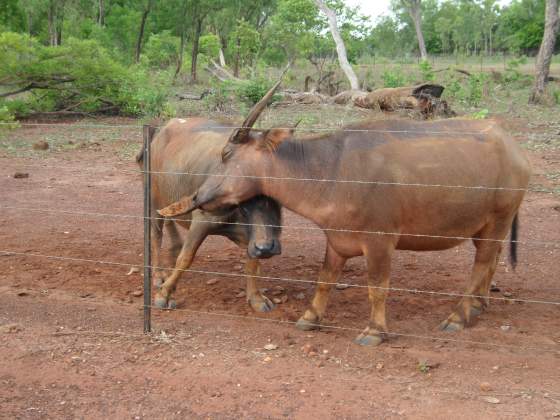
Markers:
point(79, 76)
point(556, 96)
point(162, 50)
point(251, 91)
point(512, 73)
point(393, 78)
point(427, 71)
point(210, 45)
point(225, 94)
point(480, 115)
point(475, 88)
point(7, 119)
point(245, 42)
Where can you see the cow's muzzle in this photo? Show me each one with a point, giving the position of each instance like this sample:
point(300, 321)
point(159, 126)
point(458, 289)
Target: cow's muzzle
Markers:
point(264, 249)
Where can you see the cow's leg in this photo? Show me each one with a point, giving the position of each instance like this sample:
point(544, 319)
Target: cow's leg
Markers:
point(194, 237)
point(486, 259)
point(258, 301)
point(378, 257)
point(157, 233)
point(332, 267)
point(175, 240)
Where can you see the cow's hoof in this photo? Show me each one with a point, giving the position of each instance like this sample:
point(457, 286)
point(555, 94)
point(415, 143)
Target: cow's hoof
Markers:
point(160, 302)
point(172, 304)
point(305, 325)
point(261, 303)
point(475, 311)
point(369, 340)
point(451, 326)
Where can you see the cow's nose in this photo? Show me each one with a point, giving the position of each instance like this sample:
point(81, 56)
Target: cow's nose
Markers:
point(264, 249)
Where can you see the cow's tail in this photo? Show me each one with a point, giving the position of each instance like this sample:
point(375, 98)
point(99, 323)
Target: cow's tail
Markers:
point(513, 242)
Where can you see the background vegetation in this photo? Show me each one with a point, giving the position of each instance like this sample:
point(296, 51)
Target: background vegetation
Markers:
point(130, 57)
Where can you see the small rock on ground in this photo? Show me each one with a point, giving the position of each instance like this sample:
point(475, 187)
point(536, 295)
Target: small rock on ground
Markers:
point(41, 145)
point(21, 175)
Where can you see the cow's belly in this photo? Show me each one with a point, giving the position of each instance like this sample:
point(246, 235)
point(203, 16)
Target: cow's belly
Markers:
point(411, 243)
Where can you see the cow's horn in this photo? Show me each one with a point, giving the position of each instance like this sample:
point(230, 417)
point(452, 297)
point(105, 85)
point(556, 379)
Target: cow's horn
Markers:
point(257, 109)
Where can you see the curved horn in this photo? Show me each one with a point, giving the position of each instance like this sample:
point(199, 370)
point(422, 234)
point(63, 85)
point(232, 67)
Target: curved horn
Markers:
point(256, 111)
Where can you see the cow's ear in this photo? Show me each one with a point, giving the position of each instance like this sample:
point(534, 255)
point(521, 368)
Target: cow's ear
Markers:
point(184, 205)
point(273, 138)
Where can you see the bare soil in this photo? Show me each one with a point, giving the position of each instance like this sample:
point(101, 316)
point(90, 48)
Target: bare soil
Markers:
point(71, 342)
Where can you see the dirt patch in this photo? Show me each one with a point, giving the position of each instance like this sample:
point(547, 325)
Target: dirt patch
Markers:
point(71, 341)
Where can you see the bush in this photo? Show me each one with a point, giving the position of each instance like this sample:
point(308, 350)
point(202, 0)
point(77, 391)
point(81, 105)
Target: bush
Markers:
point(79, 76)
point(393, 78)
point(248, 92)
point(427, 71)
point(475, 88)
point(162, 50)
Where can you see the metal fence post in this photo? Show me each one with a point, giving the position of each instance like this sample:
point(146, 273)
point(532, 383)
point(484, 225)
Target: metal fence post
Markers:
point(148, 132)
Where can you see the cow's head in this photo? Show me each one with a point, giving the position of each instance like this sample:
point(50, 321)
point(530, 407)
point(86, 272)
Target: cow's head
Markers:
point(245, 159)
point(262, 217)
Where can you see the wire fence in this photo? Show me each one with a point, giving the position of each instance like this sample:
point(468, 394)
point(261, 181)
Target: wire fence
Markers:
point(432, 293)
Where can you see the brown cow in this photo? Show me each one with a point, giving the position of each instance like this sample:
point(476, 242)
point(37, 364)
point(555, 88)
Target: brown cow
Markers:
point(181, 153)
point(367, 198)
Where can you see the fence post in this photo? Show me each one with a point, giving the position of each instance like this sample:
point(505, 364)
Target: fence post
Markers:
point(147, 134)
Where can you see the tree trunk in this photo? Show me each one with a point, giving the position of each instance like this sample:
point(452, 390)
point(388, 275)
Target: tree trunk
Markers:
point(101, 13)
point(551, 24)
point(237, 59)
point(55, 16)
point(194, 56)
point(415, 11)
point(222, 58)
point(340, 48)
point(183, 36)
point(145, 14)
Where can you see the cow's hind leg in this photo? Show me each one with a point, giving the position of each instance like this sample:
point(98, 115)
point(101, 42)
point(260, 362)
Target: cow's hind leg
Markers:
point(194, 237)
point(258, 301)
point(378, 256)
point(488, 247)
point(332, 267)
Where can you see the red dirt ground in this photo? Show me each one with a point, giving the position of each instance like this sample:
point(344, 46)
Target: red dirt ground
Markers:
point(71, 342)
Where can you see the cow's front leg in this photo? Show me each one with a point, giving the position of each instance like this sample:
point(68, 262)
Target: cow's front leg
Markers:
point(378, 256)
point(332, 267)
point(194, 237)
point(258, 301)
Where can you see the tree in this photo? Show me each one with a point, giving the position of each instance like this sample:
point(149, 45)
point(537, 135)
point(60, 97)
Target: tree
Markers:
point(55, 13)
point(145, 13)
point(551, 25)
point(340, 47)
point(414, 8)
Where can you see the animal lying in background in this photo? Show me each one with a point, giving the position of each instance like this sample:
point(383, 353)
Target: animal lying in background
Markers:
point(383, 186)
point(182, 154)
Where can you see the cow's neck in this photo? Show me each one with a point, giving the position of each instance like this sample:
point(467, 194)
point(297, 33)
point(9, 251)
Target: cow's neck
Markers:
point(308, 160)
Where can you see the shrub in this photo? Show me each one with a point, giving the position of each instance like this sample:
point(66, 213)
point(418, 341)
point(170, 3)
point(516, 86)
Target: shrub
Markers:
point(79, 76)
point(475, 88)
point(393, 78)
point(427, 71)
point(162, 50)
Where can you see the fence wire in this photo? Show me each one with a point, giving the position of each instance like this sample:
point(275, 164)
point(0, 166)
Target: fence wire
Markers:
point(552, 243)
point(272, 278)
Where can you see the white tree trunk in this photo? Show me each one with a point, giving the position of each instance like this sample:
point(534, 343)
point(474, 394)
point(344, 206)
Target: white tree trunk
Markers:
point(551, 25)
point(222, 58)
point(340, 48)
point(415, 11)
